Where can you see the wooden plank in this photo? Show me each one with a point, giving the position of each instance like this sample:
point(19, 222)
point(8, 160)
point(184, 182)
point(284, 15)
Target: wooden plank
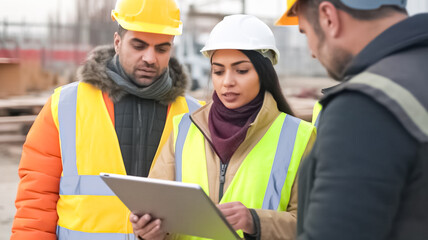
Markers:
point(10, 128)
point(12, 138)
point(9, 61)
point(22, 103)
point(18, 119)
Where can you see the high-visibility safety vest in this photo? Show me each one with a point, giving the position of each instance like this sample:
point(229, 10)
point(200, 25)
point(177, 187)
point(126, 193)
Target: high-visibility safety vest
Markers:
point(87, 209)
point(316, 114)
point(265, 177)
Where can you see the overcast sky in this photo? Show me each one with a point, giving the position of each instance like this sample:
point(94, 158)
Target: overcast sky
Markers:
point(32, 10)
point(38, 10)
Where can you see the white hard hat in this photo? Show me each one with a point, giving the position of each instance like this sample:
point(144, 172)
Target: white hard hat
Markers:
point(242, 32)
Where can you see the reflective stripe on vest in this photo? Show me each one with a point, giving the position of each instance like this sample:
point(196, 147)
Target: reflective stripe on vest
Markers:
point(66, 120)
point(84, 185)
point(192, 103)
point(71, 183)
point(281, 162)
point(71, 235)
point(183, 129)
point(403, 104)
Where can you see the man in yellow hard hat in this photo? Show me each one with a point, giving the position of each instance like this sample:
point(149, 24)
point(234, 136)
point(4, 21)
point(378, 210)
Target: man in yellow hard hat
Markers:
point(114, 119)
point(367, 175)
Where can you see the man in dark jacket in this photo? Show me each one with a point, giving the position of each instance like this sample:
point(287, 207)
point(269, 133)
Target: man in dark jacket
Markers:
point(367, 175)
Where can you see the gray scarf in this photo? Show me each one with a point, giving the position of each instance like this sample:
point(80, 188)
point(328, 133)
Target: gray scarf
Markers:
point(156, 91)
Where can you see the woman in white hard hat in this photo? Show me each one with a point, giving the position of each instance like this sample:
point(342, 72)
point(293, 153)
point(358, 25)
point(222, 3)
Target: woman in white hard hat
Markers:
point(244, 148)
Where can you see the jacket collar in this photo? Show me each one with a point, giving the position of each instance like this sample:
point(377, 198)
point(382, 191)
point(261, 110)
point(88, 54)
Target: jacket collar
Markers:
point(268, 113)
point(94, 72)
point(403, 35)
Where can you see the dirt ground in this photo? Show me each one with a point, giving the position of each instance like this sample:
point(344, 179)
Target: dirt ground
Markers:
point(301, 94)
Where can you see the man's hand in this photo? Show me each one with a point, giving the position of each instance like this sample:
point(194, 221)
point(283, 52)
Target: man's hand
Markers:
point(238, 215)
point(147, 228)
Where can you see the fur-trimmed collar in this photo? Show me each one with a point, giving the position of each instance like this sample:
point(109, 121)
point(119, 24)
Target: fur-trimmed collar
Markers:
point(94, 72)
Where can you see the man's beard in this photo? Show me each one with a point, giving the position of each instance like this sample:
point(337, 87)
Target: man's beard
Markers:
point(141, 80)
point(335, 60)
point(339, 64)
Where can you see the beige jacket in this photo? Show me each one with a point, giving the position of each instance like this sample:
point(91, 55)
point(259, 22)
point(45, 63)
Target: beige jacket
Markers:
point(274, 225)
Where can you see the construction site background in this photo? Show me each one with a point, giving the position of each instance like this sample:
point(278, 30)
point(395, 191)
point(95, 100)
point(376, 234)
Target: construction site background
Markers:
point(37, 57)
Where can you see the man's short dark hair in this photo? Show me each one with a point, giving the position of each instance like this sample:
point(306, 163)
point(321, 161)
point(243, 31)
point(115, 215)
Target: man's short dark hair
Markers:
point(121, 31)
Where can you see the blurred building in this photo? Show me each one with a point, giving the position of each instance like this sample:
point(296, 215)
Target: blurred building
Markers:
point(61, 42)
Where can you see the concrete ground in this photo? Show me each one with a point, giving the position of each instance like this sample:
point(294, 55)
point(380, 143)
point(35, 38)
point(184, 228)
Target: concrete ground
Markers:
point(9, 160)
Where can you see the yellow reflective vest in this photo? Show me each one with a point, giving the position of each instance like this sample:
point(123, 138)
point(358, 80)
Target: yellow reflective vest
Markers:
point(265, 177)
point(87, 208)
point(316, 114)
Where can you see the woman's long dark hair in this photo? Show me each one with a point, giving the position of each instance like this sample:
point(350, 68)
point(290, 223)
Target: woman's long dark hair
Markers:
point(268, 79)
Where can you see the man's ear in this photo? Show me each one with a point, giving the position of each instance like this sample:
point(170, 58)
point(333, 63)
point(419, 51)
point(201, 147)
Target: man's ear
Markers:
point(117, 41)
point(329, 19)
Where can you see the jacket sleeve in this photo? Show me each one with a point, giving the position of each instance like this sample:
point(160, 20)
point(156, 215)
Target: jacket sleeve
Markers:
point(38, 190)
point(282, 225)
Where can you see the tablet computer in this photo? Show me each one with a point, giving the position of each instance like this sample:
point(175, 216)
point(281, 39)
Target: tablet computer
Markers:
point(184, 208)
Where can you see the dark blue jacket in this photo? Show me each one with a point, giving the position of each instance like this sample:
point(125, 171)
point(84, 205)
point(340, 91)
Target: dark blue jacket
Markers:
point(367, 176)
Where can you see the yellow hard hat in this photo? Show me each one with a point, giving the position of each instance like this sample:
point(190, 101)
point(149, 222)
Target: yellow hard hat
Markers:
point(154, 16)
point(285, 19)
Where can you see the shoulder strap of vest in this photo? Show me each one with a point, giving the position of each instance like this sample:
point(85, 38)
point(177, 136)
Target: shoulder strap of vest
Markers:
point(71, 182)
point(179, 106)
point(183, 129)
point(66, 120)
point(399, 100)
point(192, 103)
point(281, 163)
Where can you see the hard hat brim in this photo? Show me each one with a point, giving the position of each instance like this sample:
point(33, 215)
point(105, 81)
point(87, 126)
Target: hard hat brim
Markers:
point(207, 52)
point(285, 19)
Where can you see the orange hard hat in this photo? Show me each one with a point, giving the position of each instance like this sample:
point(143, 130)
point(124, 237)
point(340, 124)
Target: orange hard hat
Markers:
point(285, 19)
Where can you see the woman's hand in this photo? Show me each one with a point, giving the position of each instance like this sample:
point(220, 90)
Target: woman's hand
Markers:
point(238, 215)
point(147, 228)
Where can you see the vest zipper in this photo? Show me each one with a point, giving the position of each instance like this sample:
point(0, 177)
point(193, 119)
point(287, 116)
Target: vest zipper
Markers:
point(223, 168)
